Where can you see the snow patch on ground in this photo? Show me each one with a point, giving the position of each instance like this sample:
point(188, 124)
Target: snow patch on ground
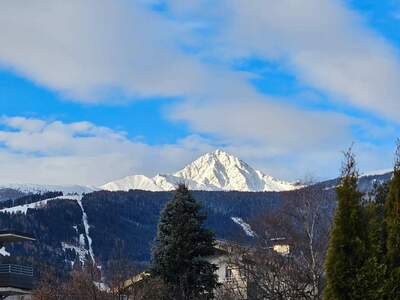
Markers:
point(246, 227)
point(80, 251)
point(101, 286)
point(82, 242)
point(4, 252)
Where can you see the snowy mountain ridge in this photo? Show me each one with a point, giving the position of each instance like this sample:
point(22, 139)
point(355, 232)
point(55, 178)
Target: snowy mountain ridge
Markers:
point(42, 188)
point(214, 171)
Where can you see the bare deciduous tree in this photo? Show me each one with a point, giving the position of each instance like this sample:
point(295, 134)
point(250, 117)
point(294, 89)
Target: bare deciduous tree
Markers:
point(300, 225)
point(119, 270)
point(79, 285)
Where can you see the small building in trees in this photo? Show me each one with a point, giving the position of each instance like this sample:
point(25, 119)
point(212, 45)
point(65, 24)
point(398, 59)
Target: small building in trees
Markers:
point(229, 274)
point(236, 273)
point(16, 281)
point(132, 285)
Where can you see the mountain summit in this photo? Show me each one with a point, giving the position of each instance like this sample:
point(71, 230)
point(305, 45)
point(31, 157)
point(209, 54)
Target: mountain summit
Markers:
point(214, 171)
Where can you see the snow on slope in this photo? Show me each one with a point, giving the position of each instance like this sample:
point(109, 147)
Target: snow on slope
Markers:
point(215, 171)
point(35, 205)
point(222, 171)
point(245, 226)
point(376, 172)
point(87, 229)
point(80, 251)
point(131, 183)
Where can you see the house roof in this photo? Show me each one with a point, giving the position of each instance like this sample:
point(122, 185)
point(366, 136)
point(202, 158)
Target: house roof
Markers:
point(14, 236)
point(134, 280)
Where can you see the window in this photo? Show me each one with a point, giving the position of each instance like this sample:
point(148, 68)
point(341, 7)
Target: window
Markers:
point(228, 273)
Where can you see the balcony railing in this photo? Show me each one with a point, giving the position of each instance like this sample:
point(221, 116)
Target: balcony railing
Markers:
point(15, 276)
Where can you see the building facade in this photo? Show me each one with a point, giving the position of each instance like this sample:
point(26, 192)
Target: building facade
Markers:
point(16, 281)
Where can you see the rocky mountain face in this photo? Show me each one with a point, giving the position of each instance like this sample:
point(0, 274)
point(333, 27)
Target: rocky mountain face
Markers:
point(214, 171)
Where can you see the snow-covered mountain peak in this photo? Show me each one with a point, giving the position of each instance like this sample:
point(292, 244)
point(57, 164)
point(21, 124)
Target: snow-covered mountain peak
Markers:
point(217, 159)
point(213, 171)
point(222, 171)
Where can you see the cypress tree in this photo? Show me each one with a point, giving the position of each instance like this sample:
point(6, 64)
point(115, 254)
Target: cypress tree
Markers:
point(374, 212)
point(392, 220)
point(181, 247)
point(371, 277)
point(346, 252)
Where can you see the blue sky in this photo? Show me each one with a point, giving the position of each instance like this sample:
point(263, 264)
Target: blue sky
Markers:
point(139, 119)
point(95, 90)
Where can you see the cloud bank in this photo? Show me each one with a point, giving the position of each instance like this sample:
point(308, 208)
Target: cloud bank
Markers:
point(53, 152)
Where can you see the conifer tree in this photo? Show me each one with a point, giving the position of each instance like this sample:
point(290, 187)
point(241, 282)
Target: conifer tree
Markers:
point(374, 218)
point(372, 276)
point(392, 220)
point(181, 247)
point(347, 250)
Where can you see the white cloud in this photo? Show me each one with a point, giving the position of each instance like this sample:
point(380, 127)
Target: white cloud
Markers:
point(269, 123)
point(136, 50)
point(326, 44)
point(83, 153)
point(87, 49)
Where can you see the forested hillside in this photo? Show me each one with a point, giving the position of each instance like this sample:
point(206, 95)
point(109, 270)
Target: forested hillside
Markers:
point(89, 227)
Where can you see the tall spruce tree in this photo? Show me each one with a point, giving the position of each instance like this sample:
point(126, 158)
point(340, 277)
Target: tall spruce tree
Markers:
point(347, 249)
point(181, 247)
point(392, 220)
